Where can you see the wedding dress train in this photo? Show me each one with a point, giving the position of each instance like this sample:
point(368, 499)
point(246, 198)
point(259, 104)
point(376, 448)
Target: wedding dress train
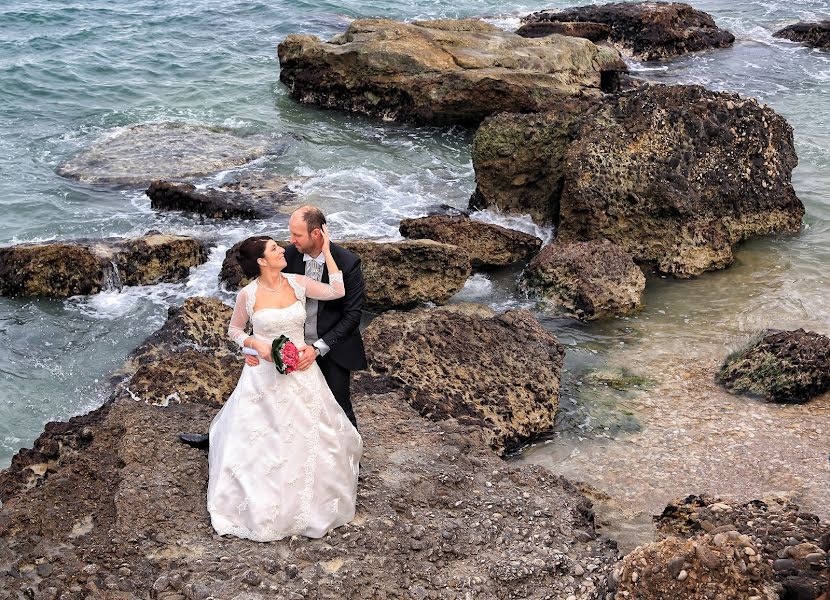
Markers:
point(283, 456)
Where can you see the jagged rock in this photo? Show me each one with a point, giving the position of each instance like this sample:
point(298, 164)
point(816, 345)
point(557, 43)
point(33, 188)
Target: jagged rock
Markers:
point(443, 71)
point(596, 32)
point(62, 269)
point(397, 274)
point(646, 30)
point(588, 280)
point(461, 361)
point(675, 175)
point(487, 245)
point(783, 366)
point(238, 200)
point(815, 35)
point(793, 542)
point(139, 154)
point(171, 366)
point(698, 569)
point(127, 510)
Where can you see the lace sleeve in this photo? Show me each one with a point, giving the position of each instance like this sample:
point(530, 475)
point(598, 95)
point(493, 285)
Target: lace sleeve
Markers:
point(323, 291)
point(239, 319)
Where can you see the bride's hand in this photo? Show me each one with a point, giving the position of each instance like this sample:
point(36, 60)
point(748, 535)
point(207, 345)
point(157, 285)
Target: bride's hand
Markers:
point(326, 239)
point(263, 349)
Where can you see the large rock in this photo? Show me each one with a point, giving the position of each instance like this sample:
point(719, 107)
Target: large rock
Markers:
point(500, 372)
point(190, 359)
point(487, 245)
point(119, 510)
point(816, 35)
point(596, 32)
point(442, 71)
point(675, 175)
point(62, 269)
point(793, 542)
point(587, 280)
point(397, 274)
point(783, 366)
point(237, 200)
point(645, 30)
point(139, 154)
point(730, 568)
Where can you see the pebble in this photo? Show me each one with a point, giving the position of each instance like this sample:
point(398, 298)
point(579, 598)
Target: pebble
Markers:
point(682, 575)
point(252, 578)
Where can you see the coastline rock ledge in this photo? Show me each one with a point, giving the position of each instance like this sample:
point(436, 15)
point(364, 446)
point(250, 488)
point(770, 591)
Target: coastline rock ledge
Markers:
point(443, 71)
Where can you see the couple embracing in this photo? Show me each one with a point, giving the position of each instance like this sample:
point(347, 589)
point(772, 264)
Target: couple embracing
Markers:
point(284, 449)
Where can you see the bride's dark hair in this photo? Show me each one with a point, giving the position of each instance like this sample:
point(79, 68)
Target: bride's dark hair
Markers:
point(248, 253)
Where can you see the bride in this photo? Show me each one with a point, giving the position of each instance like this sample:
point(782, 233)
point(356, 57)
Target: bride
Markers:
point(283, 455)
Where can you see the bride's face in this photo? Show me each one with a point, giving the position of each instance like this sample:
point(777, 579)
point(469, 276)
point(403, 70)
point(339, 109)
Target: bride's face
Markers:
point(274, 256)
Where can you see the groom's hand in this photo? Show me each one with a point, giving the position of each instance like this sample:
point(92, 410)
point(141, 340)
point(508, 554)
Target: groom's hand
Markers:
point(251, 360)
point(307, 356)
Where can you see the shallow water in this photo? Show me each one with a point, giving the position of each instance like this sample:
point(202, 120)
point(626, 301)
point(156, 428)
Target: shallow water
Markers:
point(72, 74)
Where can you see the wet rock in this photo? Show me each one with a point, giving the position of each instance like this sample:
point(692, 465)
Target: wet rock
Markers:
point(588, 280)
point(672, 174)
point(460, 361)
point(62, 269)
point(161, 370)
point(815, 35)
point(783, 366)
point(444, 71)
point(646, 30)
point(397, 274)
point(139, 154)
point(229, 201)
point(487, 245)
point(780, 535)
point(710, 571)
point(596, 32)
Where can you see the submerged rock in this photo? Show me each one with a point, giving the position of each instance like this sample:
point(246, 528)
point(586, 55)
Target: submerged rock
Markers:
point(62, 269)
point(675, 175)
point(487, 245)
point(445, 71)
point(783, 366)
point(499, 372)
point(815, 35)
point(587, 280)
point(645, 30)
point(124, 509)
point(793, 542)
point(397, 274)
point(139, 154)
point(238, 200)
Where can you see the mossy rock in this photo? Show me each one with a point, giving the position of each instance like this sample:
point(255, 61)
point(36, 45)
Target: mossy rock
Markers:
point(782, 366)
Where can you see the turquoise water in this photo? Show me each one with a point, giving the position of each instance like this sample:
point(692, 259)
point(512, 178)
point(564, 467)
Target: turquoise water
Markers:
point(73, 72)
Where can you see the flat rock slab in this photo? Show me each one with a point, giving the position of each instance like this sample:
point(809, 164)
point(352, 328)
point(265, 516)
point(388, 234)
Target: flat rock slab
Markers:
point(139, 154)
point(795, 543)
point(237, 200)
point(643, 30)
point(675, 175)
point(443, 72)
point(121, 504)
point(461, 361)
point(397, 274)
point(587, 280)
point(487, 245)
point(62, 269)
point(815, 35)
point(783, 366)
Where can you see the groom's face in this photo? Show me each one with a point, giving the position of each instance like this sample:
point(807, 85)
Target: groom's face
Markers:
point(304, 240)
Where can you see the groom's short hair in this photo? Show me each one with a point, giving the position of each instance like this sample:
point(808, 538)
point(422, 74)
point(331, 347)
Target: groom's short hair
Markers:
point(313, 218)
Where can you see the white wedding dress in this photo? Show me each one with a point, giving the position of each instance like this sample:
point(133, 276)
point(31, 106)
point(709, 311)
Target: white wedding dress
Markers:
point(283, 455)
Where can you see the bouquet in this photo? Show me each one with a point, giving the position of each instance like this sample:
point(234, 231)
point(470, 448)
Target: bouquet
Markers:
point(285, 354)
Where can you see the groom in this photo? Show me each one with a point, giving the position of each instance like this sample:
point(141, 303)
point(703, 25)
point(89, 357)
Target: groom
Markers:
point(332, 332)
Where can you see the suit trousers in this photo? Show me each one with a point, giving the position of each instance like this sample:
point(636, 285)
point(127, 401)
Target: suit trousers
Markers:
point(339, 380)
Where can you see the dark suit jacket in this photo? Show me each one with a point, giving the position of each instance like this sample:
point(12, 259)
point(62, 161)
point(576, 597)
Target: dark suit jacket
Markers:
point(338, 321)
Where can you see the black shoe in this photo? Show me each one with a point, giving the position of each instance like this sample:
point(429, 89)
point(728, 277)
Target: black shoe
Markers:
point(197, 440)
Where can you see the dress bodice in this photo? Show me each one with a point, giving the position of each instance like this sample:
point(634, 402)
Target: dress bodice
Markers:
point(270, 323)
